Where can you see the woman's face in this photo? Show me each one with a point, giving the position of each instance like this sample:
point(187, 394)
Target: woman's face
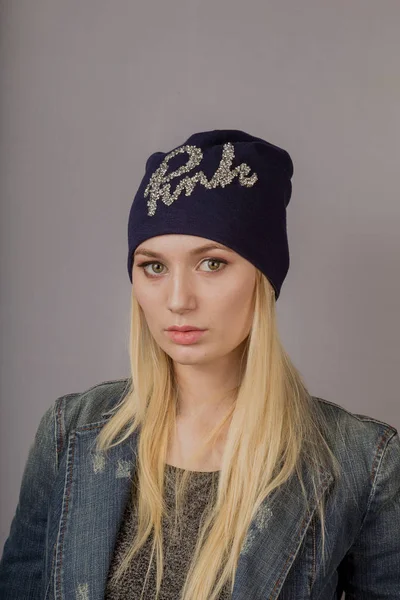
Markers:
point(183, 285)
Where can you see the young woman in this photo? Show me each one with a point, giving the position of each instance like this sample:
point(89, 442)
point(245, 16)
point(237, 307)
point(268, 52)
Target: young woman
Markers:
point(210, 472)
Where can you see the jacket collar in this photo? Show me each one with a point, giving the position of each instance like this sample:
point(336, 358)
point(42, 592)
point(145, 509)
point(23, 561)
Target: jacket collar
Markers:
point(97, 489)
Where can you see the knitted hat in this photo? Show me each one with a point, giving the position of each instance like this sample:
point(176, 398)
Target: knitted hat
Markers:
point(224, 185)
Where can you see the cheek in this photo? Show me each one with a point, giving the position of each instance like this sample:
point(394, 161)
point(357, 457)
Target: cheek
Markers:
point(148, 303)
point(233, 308)
point(143, 295)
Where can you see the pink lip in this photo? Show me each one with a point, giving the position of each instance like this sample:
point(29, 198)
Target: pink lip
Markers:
point(185, 337)
point(184, 328)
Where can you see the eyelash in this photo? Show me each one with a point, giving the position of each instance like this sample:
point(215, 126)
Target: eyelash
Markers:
point(145, 264)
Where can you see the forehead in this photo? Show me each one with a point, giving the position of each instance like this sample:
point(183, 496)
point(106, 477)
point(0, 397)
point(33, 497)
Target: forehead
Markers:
point(152, 249)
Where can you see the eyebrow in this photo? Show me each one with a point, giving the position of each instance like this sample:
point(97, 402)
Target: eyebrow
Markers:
point(193, 252)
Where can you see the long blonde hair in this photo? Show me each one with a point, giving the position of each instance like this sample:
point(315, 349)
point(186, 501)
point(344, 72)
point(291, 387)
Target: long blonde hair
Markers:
point(273, 424)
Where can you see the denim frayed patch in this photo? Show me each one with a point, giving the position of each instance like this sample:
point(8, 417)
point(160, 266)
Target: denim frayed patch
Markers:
point(98, 462)
point(124, 468)
point(257, 525)
point(82, 593)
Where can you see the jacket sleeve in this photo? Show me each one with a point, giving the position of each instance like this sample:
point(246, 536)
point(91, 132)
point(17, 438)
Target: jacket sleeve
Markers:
point(22, 562)
point(371, 568)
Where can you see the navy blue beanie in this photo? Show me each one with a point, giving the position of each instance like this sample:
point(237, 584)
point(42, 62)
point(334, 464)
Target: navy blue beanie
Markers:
point(225, 185)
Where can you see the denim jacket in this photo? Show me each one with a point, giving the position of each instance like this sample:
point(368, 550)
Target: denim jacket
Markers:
point(72, 500)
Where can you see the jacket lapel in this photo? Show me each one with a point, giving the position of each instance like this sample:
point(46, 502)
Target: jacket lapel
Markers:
point(97, 488)
point(275, 536)
point(96, 491)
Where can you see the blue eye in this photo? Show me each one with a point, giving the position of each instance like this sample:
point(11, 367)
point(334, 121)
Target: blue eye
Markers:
point(148, 263)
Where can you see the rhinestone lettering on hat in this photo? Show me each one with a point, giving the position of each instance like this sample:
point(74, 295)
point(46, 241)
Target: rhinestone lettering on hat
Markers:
point(159, 187)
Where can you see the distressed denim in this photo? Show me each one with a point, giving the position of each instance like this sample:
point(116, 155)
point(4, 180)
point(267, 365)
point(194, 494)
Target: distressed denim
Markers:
point(72, 500)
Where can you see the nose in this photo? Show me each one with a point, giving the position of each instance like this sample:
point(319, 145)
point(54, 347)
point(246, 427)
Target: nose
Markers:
point(181, 293)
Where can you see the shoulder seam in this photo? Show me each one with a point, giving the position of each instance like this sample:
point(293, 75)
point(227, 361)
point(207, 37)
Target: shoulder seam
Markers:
point(379, 454)
point(359, 416)
point(59, 405)
point(97, 385)
point(376, 464)
point(59, 425)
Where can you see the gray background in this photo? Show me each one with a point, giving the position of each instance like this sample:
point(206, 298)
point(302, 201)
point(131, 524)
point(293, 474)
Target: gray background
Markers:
point(90, 88)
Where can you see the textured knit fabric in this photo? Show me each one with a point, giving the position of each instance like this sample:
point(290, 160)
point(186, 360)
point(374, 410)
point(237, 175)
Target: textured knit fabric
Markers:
point(178, 546)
